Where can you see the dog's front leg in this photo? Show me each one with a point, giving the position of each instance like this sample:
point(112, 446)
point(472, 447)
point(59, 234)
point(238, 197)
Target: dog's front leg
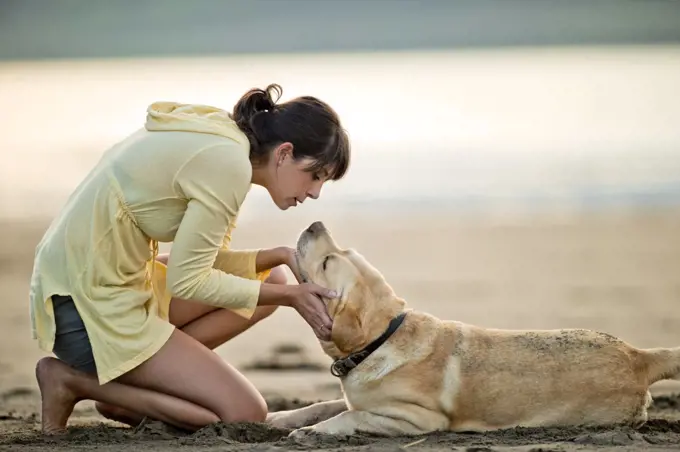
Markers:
point(311, 414)
point(351, 422)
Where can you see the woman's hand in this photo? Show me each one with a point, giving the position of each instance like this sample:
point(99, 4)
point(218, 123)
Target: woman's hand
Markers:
point(305, 298)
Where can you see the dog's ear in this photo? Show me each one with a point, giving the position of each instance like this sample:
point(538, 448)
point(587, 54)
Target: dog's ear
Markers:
point(347, 334)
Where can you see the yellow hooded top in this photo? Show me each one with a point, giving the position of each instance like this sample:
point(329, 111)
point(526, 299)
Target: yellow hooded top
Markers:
point(181, 179)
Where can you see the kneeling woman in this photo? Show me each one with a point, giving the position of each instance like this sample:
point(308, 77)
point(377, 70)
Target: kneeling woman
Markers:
point(98, 291)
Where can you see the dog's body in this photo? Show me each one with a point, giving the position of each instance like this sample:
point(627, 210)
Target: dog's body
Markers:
point(442, 375)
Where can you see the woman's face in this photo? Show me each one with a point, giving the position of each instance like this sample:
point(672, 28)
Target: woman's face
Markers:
point(290, 181)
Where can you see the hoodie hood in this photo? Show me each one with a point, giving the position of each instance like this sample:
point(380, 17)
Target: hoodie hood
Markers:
point(173, 116)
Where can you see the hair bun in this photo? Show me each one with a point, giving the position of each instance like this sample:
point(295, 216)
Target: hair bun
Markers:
point(255, 101)
point(271, 91)
point(264, 99)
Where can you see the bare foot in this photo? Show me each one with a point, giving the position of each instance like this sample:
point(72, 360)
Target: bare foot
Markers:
point(58, 399)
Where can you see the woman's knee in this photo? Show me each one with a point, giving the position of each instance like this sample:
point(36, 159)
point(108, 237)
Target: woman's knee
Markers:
point(256, 411)
point(277, 276)
point(247, 406)
point(241, 408)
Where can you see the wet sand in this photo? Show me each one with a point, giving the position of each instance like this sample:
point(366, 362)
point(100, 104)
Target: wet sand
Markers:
point(617, 272)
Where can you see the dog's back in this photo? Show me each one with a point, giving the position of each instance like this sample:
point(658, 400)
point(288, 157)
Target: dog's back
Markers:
point(553, 377)
point(450, 375)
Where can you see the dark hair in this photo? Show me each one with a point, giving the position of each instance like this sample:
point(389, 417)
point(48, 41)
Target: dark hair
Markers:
point(309, 124)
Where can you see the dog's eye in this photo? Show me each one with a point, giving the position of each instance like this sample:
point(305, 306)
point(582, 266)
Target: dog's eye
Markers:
point(325, 261)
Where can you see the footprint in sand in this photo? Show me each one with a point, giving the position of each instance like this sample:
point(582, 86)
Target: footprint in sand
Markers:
point(18, 392)
point(286, 356)
point(611, 438)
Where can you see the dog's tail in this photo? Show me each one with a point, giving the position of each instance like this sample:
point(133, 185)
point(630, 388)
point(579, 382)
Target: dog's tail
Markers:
point(661, 363)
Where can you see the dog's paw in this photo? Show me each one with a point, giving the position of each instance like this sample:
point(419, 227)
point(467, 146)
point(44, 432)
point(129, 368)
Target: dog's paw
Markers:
point(284, 420)
point(316, 433)
point(301, 434)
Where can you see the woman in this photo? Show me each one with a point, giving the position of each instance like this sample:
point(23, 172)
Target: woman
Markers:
point(98, 297)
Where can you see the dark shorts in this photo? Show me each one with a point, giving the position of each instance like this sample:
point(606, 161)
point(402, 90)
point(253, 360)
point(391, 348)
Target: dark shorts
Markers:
point(71, 342)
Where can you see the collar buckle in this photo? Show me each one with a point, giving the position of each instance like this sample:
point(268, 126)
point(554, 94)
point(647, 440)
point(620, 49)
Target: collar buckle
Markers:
point(341, 367)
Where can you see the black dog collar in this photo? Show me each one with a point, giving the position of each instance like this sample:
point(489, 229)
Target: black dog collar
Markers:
point(341, 367)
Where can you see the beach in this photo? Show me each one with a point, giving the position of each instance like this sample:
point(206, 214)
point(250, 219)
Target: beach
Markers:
point(524, 188)
point(617, 272)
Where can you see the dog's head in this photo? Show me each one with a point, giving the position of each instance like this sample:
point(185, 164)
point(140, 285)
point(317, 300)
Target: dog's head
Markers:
point(365, 303)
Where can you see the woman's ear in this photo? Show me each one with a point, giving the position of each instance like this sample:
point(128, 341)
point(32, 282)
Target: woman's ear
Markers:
point(282, 152)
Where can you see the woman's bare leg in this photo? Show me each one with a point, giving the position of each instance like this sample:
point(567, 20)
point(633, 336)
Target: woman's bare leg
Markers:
point(184, 384)
point(208, 325)
point(61, 387)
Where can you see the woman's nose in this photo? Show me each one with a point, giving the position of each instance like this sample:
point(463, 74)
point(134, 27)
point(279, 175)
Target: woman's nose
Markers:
point(315, 191)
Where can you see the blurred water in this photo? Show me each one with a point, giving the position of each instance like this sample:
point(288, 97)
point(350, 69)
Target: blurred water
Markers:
point(479, 129)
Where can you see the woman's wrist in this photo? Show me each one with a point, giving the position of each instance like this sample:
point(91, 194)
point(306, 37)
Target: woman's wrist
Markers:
point(277, 295)
point(270, 258)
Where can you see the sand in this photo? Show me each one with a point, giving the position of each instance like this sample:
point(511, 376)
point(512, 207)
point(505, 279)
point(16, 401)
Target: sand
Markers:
point(616, 272)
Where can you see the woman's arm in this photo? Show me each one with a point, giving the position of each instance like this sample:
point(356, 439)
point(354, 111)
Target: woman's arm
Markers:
point(264, 260)
point(214, 183)
point(270, 294)
point(268, 259)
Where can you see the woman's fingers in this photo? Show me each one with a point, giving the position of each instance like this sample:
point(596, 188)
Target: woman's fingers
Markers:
point(322, 291)
point(323, 333)
point(313, 310)
point(320, 321)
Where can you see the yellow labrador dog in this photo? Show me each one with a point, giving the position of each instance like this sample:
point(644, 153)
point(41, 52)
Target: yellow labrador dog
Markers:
point(407, 372)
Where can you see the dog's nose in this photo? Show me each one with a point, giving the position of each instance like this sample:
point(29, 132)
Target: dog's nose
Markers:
point(316, 227)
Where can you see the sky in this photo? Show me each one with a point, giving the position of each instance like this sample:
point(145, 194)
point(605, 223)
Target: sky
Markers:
point(36, 29)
